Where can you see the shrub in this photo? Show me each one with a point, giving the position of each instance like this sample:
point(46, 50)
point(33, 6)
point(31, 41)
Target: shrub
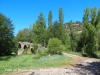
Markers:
point(41, 53)
point(55, 46)
point(34, 49)
point(25, 51)
point(89, 49)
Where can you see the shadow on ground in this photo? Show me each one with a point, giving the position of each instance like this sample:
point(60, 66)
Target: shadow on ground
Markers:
point(6, 58)
point(93, 67)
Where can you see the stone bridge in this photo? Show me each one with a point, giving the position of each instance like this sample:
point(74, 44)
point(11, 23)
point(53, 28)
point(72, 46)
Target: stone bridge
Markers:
point(23, 45)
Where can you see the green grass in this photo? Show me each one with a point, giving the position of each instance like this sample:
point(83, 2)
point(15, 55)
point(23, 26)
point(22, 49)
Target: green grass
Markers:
point(98, 54)
point(28, 62)
point(75, 53)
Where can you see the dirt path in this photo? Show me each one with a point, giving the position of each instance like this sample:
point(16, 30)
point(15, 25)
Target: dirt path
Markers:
point(79, 66)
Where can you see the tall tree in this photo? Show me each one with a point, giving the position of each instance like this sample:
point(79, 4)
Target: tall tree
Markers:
point(73, 37)
point(6, 35)
point(41, 20)
point(56, 30)
point(98, 19)
point(24, 35)
point(61, 16)
point(50, 19)
point(89, 35)
point(60, 33)
point(93, 16)
point(39, 30)
point(97, 24)
point(31, 33)
point(84, 33)
point(63, 35)
point(49, 30)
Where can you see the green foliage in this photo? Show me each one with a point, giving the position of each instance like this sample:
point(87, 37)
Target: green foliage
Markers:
point(15, 49)
point(60, 33)
point(41, 19)
point(24, 35)
point(7, 44)
point(91, 44)
point(62, 48)
point(93, 16)
point(61, 16)
point(89, 49)
point(41, 53)
point(39, 30)
point(50, 27)
point(56, 30)
point(50, 19)
point(98, 54)
point(55, 46)
point(34, 49)
point(25, 51)
point(73, 37)
point(89, 41)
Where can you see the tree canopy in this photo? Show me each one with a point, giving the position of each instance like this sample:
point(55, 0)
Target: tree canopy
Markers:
point(6, 35)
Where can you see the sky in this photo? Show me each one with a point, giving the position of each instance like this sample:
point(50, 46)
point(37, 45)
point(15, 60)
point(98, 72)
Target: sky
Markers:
point(24, 13)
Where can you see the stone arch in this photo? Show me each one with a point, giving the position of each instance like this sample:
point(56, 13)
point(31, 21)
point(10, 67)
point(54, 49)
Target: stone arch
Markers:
point(19, 45)
point(25, 46)
point(31, 49)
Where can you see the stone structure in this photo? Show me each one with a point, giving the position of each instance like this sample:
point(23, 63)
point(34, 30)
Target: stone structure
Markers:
point(23, 45)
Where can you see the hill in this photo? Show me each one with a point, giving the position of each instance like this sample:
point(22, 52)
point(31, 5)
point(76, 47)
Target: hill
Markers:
point(78, 27)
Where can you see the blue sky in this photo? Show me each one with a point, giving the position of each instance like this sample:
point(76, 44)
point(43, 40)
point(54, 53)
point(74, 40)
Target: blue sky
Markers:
point(24, 13)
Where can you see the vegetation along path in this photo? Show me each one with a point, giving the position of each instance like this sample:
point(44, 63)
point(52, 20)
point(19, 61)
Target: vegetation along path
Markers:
point(79, 66)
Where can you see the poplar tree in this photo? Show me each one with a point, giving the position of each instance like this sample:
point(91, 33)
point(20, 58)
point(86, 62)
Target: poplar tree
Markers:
point(61, 16)
point(62, 32)
point(73, 37)
point(89, 40)
point(50, 26)
point(50, 19)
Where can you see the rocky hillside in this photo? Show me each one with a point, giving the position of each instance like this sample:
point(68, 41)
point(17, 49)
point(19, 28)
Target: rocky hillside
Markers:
point(78, 26)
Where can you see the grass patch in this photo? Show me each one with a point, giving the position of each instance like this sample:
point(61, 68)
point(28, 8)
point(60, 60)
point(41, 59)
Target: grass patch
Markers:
point(95, 55)
point(75, 53)
point(28, 62)
point(98, 54)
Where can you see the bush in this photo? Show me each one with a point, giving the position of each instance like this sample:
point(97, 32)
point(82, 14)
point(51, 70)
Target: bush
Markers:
point(55, 46)
point(34, 49)
point(41, 53)
point(89, 49)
